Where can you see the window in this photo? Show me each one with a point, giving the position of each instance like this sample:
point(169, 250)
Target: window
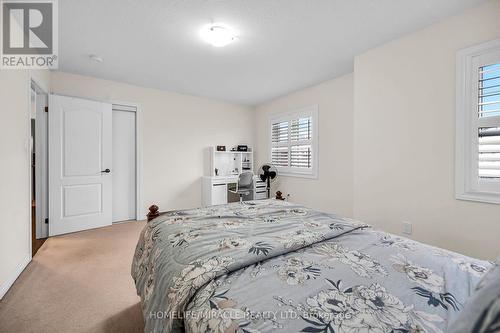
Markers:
point(478, 123)
point(294, 142)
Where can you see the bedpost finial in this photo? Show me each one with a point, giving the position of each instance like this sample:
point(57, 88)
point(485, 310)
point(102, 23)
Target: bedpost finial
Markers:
point(153, 212)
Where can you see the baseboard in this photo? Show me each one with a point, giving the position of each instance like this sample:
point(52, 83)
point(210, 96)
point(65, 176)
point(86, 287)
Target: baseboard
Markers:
point(10, 281)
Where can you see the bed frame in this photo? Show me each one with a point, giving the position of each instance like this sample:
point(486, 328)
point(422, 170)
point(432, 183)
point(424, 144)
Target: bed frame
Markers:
point(154, 210)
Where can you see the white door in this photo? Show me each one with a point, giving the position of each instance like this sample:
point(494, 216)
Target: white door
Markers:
point(80, 155)
point(124, 162)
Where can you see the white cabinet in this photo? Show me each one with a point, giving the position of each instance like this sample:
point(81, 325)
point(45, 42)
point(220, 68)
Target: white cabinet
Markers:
point(215, 190)
point(219, 194)
point(260, 189)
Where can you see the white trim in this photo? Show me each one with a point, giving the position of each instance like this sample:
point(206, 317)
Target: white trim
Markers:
point(4, 288)
point(41, 162)
point(14, 276)
point(313, 111)
point(491, 198)
point(29, 152)
point(466, 187)
point(31, 82)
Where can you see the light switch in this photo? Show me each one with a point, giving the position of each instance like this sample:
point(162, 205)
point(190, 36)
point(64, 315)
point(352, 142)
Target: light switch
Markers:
point(407, 228)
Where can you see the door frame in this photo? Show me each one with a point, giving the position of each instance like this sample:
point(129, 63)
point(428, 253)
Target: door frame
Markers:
point(41, 156)
point(140, 210)
point(135, 107)
point(32, 83)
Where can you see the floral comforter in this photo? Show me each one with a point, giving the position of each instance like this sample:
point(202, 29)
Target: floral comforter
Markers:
point(268, 265)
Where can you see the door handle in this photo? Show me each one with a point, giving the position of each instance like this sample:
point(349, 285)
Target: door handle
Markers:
point(106, 171)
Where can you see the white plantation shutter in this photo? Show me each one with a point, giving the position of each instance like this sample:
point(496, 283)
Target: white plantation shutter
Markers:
point(489, 91)
point(489, 152)
point(300, 156)
point(280, 139)
point(280, 132)
point(294, 142)
point(280, 156)
point(478, 120)
point(489, 114)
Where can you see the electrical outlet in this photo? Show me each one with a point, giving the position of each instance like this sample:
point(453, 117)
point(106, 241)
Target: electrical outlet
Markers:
point(407, 228)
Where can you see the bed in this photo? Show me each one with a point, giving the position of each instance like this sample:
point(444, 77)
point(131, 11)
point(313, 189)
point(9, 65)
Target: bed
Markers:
point(269, 265)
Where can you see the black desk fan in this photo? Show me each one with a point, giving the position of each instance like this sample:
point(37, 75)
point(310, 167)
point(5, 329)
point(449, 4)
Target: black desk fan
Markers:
point(268, 173)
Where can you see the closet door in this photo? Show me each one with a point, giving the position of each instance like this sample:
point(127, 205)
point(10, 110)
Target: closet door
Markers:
point(124, 164)
point(80, 155)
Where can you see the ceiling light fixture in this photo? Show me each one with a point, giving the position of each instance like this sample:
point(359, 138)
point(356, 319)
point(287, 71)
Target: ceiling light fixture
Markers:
point(218, 34)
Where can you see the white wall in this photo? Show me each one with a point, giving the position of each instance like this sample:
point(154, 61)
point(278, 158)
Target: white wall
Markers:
point(15, 200)
point(332, 191)
point(176, 129)
point(404, 136)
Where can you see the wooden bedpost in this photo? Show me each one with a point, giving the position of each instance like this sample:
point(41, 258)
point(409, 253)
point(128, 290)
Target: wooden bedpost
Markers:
point(153, 212)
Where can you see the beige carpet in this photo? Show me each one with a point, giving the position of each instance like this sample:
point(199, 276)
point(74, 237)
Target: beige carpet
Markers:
point(77, 283)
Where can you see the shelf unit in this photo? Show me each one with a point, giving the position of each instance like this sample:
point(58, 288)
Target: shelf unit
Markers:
point(230, 163)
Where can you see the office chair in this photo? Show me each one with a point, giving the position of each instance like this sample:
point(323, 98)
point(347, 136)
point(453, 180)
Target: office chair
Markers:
point(244, 186)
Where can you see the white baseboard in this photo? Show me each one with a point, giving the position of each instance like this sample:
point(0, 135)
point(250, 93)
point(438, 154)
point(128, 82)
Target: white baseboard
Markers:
point(10, 281)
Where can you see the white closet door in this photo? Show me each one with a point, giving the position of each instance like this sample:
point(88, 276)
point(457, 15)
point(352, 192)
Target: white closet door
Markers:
point(80, 156)
point(124, 165)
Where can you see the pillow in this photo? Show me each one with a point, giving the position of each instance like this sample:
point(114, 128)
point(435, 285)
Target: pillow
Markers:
point(481, 312)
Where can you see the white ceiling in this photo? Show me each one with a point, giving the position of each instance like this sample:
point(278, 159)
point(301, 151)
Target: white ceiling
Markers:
point(283, 45)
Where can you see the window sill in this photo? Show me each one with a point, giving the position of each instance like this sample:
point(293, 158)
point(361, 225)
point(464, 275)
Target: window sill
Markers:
point(297, 175)
point(483, 197)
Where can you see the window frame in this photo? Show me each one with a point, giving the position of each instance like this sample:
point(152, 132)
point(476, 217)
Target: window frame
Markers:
point(468, 185)
point(308, 111)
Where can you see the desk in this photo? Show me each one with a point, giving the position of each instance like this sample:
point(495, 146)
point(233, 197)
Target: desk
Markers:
point(215, 189)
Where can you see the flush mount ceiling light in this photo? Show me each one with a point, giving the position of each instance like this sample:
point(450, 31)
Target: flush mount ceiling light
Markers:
point(218, 34)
